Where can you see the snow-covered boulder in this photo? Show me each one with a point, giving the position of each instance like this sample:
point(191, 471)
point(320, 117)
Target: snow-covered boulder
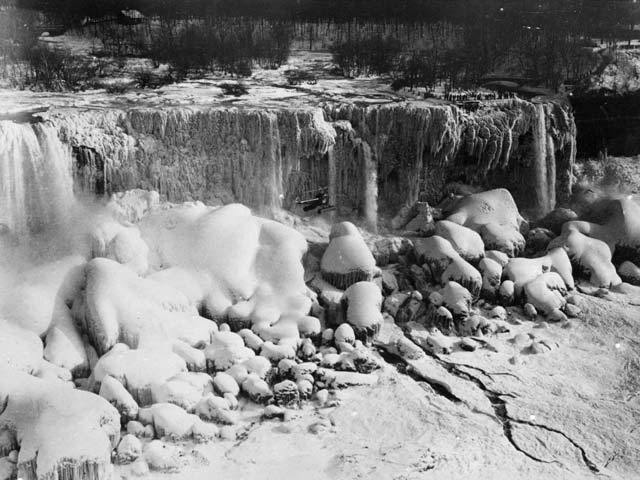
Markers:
point(363, 302)
point(61, 432)
point(347, 259)
point(138, 370)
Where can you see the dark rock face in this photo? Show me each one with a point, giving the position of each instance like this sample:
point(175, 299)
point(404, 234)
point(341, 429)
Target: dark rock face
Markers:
point(608, 123)
point(89, 171)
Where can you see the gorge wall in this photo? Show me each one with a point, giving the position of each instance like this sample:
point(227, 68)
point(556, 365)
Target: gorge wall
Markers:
point(373, 159)
point(607, 122)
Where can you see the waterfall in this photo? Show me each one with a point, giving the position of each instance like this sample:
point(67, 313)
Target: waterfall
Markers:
point(541, 174)
point(370, 176)
point(551, 172)
point(36, 185)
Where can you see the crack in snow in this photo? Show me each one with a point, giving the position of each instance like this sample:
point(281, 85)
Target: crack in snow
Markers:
point(481, 370)
point(402, 368)
point(500, 407)
point(496, 399)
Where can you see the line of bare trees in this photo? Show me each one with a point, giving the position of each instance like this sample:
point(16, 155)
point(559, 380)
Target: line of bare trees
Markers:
point(597, 16)
point(548, 44)
point(416, 42)
point(215, 45)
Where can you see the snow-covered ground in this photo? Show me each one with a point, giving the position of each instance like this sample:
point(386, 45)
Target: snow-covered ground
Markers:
point(265, 93)
point(266, 87)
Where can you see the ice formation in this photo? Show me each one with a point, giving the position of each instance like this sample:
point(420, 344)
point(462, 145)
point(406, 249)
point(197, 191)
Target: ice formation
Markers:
point(122, 307)
point(38, 296)
point(371, 158)
point(179, 310)
point(61, 432)
point(20, 349)
point(252, 267)
point(495, 216)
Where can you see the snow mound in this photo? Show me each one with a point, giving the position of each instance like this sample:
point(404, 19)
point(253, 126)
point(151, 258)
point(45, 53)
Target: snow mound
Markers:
point(41, 294)
point(138, 370)
point(495, 216)
point(19, 348)
point(252, 266)
point(61, 432)
point(122, 307)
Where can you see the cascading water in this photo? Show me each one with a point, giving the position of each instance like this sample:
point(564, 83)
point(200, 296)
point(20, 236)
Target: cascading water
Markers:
point(36, 185)
point(551, 173)
point(370, 175)
point(544, 201)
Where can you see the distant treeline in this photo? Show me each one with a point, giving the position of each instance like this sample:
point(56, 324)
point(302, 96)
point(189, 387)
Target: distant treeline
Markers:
point(594, 17)
point(418, 43)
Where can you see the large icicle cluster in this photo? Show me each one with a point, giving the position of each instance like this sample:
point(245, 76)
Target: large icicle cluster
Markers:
point(369, 157)
point(415, 145)
point(219, 155)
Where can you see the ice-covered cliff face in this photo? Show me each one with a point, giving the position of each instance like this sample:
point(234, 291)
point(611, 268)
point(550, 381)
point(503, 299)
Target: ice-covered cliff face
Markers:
point(373, 158)
point(36, 185)
point(526, 147)
point(223, 155)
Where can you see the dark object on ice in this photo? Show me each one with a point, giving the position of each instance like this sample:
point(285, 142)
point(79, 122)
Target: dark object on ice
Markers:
point(296, 77)
point(538, 239)
point(50, 29)
point(235, 89)
point(122, 17)
point(130, 17)
point(470, 105)
point(556, 219)
point(320, 201)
